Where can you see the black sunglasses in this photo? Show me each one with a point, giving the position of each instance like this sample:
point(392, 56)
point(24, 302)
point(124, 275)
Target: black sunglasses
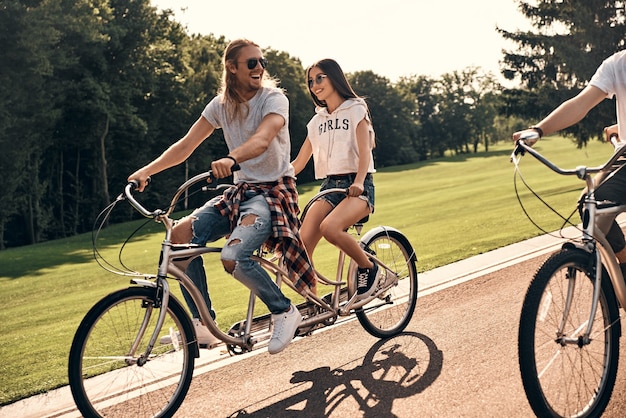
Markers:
point(318, 79)
point(253, 62)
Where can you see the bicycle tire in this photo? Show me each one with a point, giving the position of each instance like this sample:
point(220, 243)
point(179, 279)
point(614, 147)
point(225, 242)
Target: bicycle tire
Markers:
point(388, 315)
point(568, 380)
point(102, 381)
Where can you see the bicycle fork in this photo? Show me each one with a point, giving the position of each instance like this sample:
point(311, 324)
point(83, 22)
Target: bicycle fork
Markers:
point(161, 302)
point(576, 338)
point(595, 267)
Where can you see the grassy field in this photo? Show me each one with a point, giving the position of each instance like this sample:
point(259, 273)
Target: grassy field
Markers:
point(450, 209)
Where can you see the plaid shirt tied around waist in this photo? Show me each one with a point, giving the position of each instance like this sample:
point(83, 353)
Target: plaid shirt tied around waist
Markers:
point(282, 198)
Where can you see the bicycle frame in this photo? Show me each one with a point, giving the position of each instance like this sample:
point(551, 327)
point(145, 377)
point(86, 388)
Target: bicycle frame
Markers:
point(106, 361)
point(592, 212)
point(170, 267)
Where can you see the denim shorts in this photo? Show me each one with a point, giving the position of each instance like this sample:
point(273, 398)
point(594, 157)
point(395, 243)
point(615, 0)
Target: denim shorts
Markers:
point(344, 181)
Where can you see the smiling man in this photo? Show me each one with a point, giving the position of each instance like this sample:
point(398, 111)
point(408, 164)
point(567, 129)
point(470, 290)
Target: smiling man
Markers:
point(262, 209)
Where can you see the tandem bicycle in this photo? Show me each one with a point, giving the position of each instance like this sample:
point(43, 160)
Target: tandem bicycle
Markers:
point(118, 365)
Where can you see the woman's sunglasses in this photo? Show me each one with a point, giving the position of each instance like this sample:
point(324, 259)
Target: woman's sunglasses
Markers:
point(253, 62)
point(318, 79)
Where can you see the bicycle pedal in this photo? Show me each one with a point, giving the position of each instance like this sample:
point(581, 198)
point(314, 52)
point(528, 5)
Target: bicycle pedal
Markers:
point(305, 332)
point(259, 323)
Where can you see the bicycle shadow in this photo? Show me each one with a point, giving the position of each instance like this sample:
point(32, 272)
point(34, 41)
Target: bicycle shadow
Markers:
point(394, 368)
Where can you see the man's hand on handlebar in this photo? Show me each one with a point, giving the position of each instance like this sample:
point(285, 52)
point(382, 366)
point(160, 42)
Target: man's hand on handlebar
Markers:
point(223, 167)
point(141, 177)
point(530, 136)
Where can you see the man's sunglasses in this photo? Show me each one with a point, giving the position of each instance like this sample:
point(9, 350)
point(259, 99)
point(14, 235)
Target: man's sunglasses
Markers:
point(253, 62)
point(318, 79)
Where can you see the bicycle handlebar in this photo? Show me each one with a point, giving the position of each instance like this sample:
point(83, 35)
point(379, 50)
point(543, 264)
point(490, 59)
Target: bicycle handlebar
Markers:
point(581, 172)
point(206, 176)
point(128, 192)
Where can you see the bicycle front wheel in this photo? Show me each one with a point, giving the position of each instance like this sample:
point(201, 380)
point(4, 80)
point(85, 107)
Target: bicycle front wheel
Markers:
point(565, 378)
point(108, 373)
point(390, 313)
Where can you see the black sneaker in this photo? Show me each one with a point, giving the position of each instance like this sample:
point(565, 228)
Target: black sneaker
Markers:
point(365, 280)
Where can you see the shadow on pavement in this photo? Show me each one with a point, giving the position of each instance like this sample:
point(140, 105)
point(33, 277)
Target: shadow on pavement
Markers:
point(394, 368)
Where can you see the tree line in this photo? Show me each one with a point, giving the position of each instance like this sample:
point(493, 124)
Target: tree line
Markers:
point(93, 89)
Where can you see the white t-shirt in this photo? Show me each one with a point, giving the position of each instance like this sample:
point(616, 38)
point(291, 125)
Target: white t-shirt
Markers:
point(610, 77)
point(275, 162)
point(333, 138)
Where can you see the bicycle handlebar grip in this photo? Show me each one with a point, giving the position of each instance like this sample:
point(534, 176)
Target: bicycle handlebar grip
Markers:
point(235, 167)
point(527, 139)
point(347, 191)
point(135, 183)
point(529, 136)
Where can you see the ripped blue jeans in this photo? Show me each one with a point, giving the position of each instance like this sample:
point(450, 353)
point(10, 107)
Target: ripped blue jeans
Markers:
point(209, 225)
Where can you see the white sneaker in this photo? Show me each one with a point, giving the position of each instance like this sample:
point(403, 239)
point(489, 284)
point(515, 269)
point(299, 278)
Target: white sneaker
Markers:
point(285, 327)
point(172, 338)
point(204, 336)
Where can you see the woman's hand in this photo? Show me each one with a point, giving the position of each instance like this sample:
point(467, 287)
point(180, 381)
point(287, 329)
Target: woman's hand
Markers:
point(611, 134)
point(356, 189)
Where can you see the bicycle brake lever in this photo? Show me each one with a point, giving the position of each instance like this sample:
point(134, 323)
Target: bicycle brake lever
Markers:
point(517, 151)
point(211, 179)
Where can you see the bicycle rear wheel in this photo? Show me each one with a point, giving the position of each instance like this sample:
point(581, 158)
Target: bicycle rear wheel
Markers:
point(568, 380)
point(390, 313)
point(106, 375)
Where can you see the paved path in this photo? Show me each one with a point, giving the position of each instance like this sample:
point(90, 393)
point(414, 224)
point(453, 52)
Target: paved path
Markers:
point(58, 403)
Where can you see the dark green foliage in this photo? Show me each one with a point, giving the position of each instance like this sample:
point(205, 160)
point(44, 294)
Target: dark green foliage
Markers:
point(555, 60)
point(91, 90)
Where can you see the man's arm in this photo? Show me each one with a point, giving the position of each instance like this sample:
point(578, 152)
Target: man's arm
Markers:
point(176, 153)
point(256, 145)
point(572, 111)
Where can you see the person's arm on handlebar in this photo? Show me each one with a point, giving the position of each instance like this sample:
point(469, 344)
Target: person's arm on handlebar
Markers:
point(303, 157)
point(567, 114)
point(363, 144)
point(254, 146)
point(611, 134)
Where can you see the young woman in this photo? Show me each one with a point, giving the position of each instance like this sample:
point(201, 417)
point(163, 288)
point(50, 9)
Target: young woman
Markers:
point(340, 139)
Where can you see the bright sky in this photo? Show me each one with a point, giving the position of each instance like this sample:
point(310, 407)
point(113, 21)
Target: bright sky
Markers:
point(392, 38)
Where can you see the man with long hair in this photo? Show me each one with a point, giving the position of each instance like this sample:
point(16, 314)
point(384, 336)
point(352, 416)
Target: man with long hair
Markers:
point(262, 209)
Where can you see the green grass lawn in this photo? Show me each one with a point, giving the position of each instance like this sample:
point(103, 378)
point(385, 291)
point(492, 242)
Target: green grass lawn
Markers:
point(450, 209)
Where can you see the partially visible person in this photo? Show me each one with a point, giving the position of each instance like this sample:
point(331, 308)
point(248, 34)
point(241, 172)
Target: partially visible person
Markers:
point(340, 138)
point(609, 81)
point(262, 208)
